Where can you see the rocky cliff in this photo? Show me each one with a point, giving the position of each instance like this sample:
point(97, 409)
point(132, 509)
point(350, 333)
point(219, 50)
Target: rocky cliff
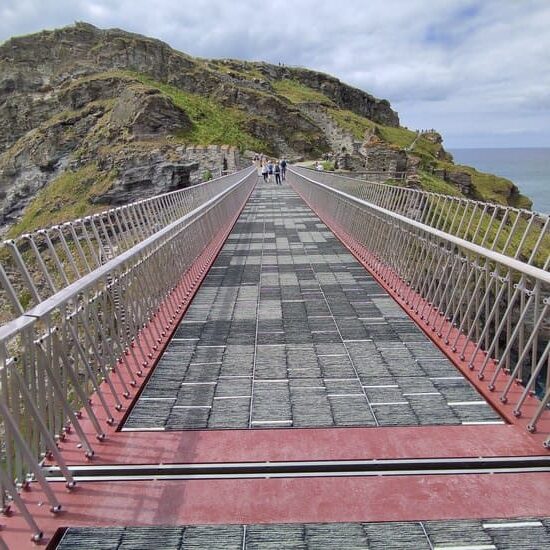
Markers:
point(122, 116)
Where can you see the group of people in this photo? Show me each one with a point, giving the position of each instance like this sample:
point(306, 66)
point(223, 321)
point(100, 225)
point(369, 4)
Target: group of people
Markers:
point(271, 170)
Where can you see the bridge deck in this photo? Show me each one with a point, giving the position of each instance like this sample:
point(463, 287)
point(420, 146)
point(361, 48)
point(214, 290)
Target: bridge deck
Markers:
point(289, 330)
point(484, 535)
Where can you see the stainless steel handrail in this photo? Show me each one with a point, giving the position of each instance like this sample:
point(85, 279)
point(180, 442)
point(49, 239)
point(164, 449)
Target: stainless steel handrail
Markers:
point(505, 229)
point(89, 337)
point(484, 304)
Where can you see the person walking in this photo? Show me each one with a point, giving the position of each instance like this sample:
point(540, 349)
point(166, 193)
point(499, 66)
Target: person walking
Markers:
point(283, 169)
point(258, 165)
point(277, 172)
point(264, 172)
point(270, 171)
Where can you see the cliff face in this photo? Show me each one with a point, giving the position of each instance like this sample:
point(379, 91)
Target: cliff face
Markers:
point(34, 67)
point(82, 95)
point(127, 117)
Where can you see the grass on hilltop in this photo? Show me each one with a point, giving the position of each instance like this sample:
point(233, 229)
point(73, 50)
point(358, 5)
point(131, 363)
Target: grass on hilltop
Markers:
point(296, 93)
point(437, 185)
point(487, 187)
point(234, 68)
point(492, 188)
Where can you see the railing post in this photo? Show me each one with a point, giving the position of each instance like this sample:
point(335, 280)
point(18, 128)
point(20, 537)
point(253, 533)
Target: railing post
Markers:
point(460, 269)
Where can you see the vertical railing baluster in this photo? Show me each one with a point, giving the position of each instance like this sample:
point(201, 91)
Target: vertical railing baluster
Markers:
point(484, 272)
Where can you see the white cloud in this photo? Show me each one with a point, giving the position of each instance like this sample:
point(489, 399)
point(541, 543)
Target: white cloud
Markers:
point(474, 69)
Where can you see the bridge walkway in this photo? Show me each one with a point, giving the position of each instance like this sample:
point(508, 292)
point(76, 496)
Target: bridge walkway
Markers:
point(292, 356)
point(289, 330)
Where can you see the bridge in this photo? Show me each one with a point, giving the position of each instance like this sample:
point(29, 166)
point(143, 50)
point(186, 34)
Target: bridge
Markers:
point(329, 363)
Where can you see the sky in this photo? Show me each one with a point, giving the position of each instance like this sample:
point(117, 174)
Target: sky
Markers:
point(478, 71)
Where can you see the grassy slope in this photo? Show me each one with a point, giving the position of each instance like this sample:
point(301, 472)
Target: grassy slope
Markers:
point(68, 197)
point(488, 187)
point(239, 69)
point(297, 93)
point(213, 124)
point(437, 185)
point(352, 122)
point(71, 195)
point(492, 188)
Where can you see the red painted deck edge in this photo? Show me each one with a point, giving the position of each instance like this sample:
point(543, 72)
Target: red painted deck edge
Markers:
point(504, 409)
point(301, 444)
point(291, 500)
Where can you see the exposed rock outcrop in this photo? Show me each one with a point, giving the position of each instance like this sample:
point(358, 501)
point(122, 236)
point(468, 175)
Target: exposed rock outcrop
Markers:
point(338, 138)
point(460, 179)
point(435, 137)
point(343, 95)
point(148, 177)
point(69, 96)
point(146, 113)
point(383, 159)
point(39, 63)
point(40, 156)
point(380, 157)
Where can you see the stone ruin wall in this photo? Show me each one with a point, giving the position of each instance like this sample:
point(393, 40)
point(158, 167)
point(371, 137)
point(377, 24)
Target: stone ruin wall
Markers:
point(391, 162)
point(211, 158)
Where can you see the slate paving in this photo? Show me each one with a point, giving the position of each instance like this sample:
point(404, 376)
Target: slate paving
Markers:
point(528, 534)
point(289, 330)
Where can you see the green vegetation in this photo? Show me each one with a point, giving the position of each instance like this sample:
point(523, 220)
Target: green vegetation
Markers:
point(487, 187)
point(431, 183)
point(437, 185)
point(520, 201)
point(65, 118)
point(234, 68)
point(296, 93)
point(525, 251)
point(107, 75)
point(404, 138)
point(483, 230)
point(207, 175)
point(213, 124)
point(401, 137)
point(68, 197)
point(352, 122)
point(307, 140)
point(491, 188)
point(328, 165)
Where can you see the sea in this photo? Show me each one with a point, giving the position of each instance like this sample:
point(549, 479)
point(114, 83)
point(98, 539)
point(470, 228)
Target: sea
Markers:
point(528, 168)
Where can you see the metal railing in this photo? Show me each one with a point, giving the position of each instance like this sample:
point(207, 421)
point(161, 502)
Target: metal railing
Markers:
point(85, 337)
point(462, 291)
point(37, 265)
point(504, 229)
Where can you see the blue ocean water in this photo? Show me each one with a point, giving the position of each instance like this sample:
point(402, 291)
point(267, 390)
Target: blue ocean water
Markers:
point(529, 169)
